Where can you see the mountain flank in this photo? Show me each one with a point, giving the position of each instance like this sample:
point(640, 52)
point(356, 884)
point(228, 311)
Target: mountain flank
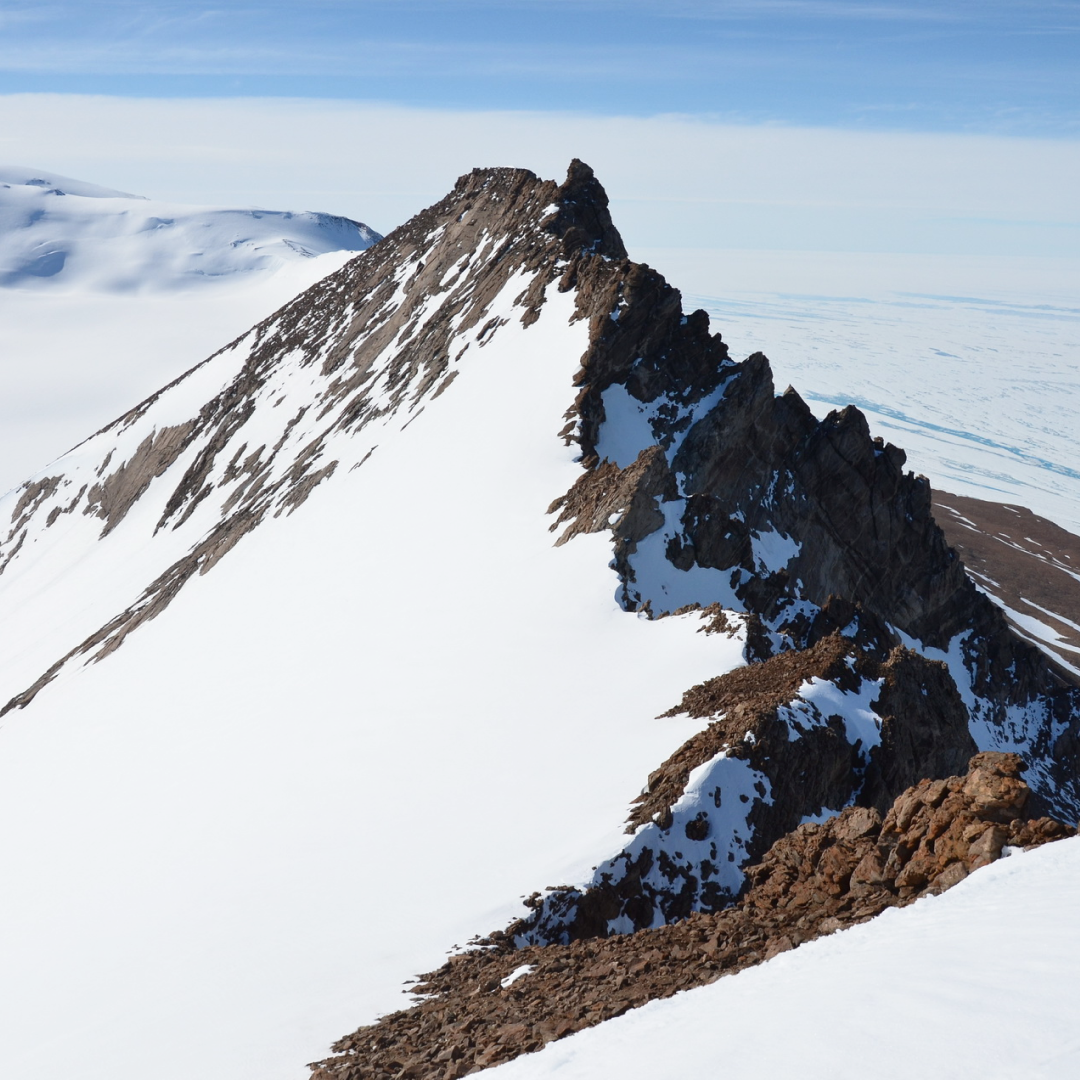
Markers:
point(1028, 565)
point(867, 752)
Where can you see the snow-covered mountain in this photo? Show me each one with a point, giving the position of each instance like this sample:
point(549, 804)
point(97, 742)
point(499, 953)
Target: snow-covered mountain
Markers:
point(132, 306)
point(60, 232)
point(322, 656)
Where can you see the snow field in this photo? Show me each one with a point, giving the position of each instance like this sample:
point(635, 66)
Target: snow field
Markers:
point(356, 741)
point(59, 233)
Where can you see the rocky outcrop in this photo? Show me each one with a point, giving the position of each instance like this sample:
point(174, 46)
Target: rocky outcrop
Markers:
point(1028, 564)
point(801, 734)
point(768, 510)
point(495, 1002)
point(718, 490)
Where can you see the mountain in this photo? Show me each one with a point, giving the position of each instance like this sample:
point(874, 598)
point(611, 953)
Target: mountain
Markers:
point(322, 655)
point(55, 231)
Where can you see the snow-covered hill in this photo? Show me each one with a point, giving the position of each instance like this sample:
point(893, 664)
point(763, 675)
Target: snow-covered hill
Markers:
point(58, 232)
point(317, 660)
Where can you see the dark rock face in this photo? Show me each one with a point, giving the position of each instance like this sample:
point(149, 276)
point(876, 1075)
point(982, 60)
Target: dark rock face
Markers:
point(739, 496)
point(800, 734)
point(814, 881)
point(864, 526)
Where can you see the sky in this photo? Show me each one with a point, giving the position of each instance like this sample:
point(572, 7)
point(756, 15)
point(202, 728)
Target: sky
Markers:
point(908, 126)
point(951, 65)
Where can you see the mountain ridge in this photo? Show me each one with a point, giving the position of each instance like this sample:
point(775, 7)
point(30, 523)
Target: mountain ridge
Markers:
point(724, 507)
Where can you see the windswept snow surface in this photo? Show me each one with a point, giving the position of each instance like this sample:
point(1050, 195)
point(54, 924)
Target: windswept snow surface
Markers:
point(56, 232)
point(971, 365)
point(977, 982)
point(354, 743)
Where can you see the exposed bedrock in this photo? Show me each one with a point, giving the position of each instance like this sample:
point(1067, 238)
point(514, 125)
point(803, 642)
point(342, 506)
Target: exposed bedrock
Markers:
point(802, 734)
point(717, 489)
point(495, 1002)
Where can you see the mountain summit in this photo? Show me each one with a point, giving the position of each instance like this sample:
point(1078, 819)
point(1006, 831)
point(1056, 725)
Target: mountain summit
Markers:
point(365, 584)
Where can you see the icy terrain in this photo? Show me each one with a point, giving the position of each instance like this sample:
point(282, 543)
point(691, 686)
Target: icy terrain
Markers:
point(57, 232)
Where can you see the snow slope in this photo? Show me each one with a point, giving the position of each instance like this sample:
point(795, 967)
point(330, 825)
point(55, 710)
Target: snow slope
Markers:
point(976, 982)
point(279, 799)
point(55, 232)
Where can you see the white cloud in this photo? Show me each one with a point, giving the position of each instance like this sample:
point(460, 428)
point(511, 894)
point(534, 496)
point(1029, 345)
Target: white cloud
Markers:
point(674, 181)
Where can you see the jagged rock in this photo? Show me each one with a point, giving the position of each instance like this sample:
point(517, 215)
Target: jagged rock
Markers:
point(796, 735)
point(761, 507)
point(816, 880)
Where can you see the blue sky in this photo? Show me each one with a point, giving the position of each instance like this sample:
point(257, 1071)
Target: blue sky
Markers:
point(947, 127)
point(989, 66)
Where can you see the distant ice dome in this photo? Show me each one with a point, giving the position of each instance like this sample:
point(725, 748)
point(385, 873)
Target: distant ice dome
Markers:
point(20, 176)
point(60, 232)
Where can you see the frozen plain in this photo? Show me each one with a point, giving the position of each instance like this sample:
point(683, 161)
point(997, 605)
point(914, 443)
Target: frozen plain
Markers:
point(209, 910)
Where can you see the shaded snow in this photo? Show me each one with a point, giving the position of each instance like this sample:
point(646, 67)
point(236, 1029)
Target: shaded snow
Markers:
point(773, 550)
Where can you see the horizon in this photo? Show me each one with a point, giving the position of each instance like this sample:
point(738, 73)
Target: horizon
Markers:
point(993, 68)
point(771, 125)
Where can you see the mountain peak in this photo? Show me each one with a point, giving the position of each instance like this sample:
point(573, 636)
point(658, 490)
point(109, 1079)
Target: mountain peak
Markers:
point(422, 444)
point(583, 220)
